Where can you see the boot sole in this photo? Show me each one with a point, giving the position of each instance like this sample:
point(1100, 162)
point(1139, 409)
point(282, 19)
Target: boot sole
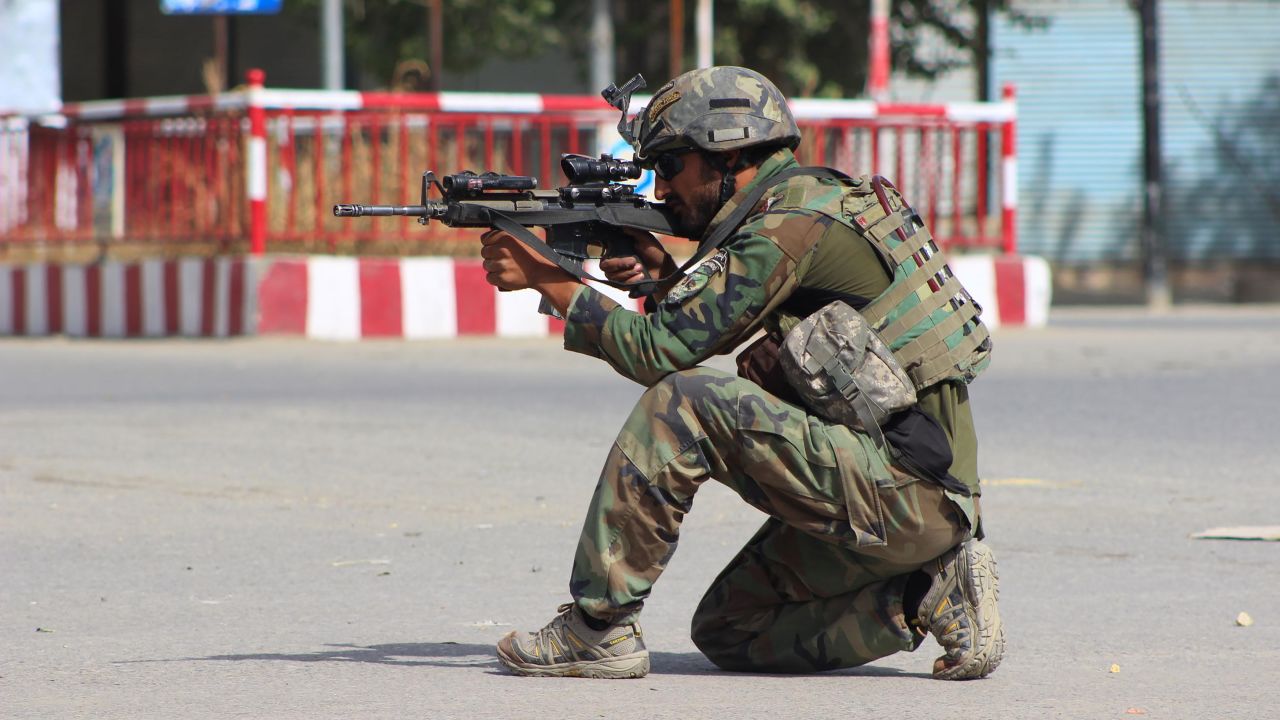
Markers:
point(623, 667)
point(981, 593)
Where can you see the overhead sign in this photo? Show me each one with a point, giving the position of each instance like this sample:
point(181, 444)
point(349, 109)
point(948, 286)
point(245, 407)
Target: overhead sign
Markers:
point(220, 7)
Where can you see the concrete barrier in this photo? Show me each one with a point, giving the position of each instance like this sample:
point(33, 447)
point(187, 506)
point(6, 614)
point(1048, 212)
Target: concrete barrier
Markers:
point(347, 298)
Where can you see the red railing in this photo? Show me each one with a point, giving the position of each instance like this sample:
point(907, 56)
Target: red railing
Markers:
point(260, 170)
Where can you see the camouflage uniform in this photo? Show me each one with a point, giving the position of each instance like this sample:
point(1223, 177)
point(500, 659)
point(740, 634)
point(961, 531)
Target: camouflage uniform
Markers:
point(821, 584)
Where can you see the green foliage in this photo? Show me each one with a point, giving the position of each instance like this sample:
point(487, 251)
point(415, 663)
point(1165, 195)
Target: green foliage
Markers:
point(819, 48)
point(381, 33)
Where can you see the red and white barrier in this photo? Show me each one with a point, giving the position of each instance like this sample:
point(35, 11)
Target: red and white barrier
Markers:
point(343, 298)
point(193, 297)
point(347, 298)
point(1013, 290)
point(501, 103)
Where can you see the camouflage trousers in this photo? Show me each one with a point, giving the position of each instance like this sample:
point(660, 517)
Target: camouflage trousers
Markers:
point(821, 584)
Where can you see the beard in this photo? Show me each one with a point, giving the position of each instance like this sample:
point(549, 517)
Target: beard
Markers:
point(698, 207)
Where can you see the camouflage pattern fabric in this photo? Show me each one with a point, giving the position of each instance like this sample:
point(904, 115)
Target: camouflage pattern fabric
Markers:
point(713, 309)
point(820, 586)
point(716, 109)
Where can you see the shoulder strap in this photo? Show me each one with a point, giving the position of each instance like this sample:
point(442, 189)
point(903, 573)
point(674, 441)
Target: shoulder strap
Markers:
point(730, 225)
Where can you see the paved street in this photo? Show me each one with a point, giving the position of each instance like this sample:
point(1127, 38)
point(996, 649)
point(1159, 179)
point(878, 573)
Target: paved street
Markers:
point(290, 529)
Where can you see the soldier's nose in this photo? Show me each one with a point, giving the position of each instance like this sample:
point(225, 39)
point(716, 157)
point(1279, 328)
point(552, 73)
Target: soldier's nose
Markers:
point(660, 188)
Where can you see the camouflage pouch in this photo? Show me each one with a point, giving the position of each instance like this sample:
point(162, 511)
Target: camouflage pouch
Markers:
point(843, 370)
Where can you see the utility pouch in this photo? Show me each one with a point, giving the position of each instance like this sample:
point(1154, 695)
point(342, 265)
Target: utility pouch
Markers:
point(844, 372)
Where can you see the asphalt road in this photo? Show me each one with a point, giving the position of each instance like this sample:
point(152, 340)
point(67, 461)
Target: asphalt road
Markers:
point(291, 529)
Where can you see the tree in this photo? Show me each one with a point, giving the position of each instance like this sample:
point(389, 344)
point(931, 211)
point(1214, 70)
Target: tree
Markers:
point(808, 47)
point(382, 33)
point(818, 48)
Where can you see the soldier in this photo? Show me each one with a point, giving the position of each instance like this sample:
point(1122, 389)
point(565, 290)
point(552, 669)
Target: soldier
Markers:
point(873, 539)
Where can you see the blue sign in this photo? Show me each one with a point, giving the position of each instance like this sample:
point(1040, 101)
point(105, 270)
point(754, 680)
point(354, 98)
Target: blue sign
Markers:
point(220, 7)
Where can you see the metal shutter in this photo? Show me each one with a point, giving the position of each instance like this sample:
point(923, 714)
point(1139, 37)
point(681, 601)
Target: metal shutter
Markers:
point(1079, 127)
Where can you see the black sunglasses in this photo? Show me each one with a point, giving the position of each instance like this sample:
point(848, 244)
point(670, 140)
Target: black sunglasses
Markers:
point(667, 165)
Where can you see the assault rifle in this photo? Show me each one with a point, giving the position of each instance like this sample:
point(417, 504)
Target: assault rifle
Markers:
point(584, 219)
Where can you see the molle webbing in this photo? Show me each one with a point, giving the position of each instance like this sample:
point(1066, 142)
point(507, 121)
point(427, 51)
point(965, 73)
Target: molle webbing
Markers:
point(925, 316)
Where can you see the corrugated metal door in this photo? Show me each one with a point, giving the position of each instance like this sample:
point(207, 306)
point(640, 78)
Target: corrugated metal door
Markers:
point(1079, 127)
point(1220, 77)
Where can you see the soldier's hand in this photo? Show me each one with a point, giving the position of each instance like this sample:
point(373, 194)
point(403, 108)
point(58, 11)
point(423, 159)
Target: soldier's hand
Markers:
point(650, 261)
point(510, 265)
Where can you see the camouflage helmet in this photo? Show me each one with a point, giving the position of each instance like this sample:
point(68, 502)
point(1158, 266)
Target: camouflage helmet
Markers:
point(714, 109)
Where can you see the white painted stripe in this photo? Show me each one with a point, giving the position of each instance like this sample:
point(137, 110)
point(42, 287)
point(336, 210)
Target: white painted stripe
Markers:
point(333, 298)
point(491, 102)
point(190, 294)
point(257, 168)
point(1039, 290)
point(981, 112)
point(168, 105)
point(6, 304)
point(310, 99)
point(230, 101)
point(1009, 182)
point(75, 303)
point(96, 109)
point(37, 300)
point(221, 292)
point(978, 275)
point(428, 298)
point(153, 298)
point(823, 109)
point(518, 315)
point(112, 300)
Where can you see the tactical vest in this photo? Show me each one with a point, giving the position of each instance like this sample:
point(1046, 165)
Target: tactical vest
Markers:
point(925, 316)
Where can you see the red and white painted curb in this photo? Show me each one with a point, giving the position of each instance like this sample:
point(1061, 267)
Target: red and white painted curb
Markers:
point(338, 298)
point(345, 298)
point(195, 297)
point(1013, 290)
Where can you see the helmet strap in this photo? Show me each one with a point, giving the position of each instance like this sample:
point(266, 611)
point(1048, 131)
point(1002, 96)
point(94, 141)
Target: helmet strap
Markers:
point(728, 175)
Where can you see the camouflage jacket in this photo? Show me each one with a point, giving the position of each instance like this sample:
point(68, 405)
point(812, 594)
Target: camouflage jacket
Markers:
point(743, 287)
point(723, 301)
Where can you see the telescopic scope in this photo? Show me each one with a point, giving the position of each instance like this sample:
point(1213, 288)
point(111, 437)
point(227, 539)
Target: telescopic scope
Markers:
point(469, 184)
point(584, 169)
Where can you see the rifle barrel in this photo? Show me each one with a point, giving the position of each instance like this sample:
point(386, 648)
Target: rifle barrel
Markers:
point(378, 210)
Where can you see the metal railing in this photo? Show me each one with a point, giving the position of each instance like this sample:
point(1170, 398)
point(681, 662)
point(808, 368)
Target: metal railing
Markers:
point(258, 170)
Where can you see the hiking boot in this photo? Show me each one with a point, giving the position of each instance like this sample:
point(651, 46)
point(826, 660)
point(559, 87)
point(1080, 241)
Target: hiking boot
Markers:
point(960, 610)
point(568, 647)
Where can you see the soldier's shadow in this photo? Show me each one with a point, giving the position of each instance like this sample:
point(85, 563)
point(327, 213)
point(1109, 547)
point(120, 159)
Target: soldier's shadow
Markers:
point(453, 654)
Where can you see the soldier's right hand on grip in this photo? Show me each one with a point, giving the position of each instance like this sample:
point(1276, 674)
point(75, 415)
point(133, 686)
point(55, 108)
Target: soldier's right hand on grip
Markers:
point(651, 260)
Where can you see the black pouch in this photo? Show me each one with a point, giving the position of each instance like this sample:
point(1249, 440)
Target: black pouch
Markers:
point(919, 445)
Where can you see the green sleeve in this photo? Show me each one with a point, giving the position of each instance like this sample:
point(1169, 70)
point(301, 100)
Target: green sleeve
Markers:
point(712, 310)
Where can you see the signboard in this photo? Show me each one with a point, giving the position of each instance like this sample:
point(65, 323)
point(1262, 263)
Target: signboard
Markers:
point(220, 7)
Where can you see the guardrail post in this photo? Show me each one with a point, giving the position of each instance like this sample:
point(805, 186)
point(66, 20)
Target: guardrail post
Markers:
point(1009, 176)
point(256, 182)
